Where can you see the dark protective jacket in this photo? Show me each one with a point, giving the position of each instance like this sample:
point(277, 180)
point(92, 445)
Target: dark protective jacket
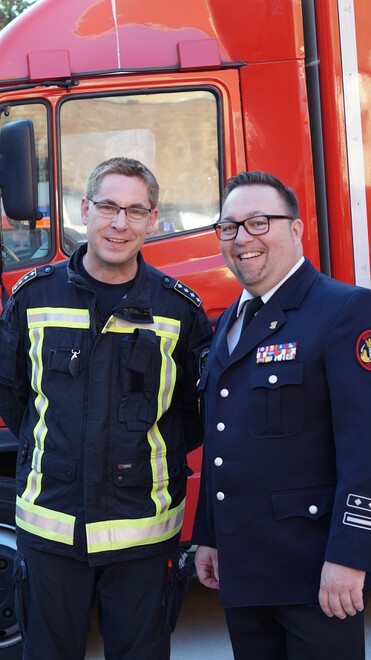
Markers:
point(287, 452)
point(105, 417)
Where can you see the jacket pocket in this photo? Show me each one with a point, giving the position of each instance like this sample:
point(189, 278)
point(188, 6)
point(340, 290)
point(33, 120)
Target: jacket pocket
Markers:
point(180, 569)
point(140, 366)
point(65, 356)
point(312, 503)
point(130, 473)
point(274, 390)
point(56, 466)
point(9, 340)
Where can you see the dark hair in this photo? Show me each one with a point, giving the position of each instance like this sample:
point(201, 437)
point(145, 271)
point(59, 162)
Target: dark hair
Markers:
point(127, 167)
point(264, 179)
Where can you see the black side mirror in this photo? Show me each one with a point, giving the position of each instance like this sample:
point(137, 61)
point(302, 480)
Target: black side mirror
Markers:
point(18, 170)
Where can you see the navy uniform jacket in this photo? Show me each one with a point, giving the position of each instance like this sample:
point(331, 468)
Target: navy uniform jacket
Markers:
point(287, 459)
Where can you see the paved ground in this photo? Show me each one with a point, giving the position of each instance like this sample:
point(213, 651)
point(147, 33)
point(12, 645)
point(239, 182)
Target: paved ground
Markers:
point(201, 631)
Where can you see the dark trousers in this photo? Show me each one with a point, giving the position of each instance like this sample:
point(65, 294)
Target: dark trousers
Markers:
point(294, 632)
point(55, 595)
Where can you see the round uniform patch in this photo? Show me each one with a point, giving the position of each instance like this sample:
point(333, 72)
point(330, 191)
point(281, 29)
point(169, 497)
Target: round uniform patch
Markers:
point(363, 350)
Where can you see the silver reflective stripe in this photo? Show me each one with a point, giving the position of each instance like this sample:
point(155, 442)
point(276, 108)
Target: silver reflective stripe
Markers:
point(120, 534)
point(45, 522)
point(58, 317)
point(34, 479)
point(160, 493)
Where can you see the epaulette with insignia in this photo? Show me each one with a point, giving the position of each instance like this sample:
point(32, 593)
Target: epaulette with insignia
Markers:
point(36, 272)
point(183, 289)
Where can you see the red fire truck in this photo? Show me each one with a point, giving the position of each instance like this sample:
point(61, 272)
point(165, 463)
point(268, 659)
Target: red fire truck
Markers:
point(197, 90)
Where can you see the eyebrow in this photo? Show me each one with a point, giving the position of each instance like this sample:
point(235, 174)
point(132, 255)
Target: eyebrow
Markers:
point(251, 215)
point(107, 200)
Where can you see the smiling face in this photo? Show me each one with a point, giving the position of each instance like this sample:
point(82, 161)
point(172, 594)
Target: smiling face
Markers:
point(260, 262)
point(113, 244)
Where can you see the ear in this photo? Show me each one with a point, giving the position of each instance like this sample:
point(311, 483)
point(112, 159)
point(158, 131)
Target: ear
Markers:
point(84, 210)
point(152, 221)
point(297, 228)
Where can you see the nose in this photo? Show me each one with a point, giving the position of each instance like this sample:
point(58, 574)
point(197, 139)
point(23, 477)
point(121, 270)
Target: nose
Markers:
point(120, 220)
point(243, 236)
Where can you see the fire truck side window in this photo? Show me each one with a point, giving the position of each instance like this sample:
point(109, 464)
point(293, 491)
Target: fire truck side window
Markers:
point(173, 133)
point(24, 242)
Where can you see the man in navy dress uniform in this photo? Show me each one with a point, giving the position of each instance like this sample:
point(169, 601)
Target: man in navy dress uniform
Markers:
point(284, 517)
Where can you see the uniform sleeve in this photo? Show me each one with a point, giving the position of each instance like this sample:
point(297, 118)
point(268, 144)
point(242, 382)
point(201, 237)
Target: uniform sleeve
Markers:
point(348, 369)
point(203, 527)
point(14, 385)
point(198, 344)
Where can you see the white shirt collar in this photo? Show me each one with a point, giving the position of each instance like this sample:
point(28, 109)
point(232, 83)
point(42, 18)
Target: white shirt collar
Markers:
point(245, 295)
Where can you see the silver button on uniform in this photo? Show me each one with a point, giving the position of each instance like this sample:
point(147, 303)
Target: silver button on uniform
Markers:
point(220, 426)
point(272, 379)
point(224, 392)
point(313, 509)
point(218, 461)
point(220, 496)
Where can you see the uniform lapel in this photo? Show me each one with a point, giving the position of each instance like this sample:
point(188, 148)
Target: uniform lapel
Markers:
point(226, 321)
point(270, 318)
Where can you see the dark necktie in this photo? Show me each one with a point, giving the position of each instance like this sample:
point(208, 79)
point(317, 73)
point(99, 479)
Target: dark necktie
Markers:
point(251, 307)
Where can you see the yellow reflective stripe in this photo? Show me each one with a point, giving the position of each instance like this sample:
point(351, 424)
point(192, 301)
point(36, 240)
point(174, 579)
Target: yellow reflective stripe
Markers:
point(58, 317)
point(161, 325)
point(160, 492)
point(34, 479)
point(121, 534)
point(168, 375)
point(44, 522)
point(160, 475)
point(38, 319)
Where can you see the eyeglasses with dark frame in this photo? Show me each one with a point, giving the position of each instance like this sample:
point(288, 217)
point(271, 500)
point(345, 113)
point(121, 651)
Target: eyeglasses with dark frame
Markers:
point(255, 226)
point(109, 211)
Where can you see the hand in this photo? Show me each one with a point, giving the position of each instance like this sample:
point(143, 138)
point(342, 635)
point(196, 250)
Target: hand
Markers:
point(206, 562)
point(340, 591)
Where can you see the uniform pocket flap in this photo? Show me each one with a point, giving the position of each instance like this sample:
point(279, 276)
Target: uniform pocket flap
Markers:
point(310, 503)
point(139, 473)
point(59, 467)
point(276, 375)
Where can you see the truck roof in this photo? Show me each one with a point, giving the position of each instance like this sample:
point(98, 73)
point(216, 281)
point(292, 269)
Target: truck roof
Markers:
point(54, 39)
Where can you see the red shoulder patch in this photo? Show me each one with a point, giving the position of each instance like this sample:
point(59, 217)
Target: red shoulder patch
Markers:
point(363, 349)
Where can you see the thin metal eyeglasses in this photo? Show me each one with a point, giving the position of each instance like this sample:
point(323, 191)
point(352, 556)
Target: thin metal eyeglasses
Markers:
point(255, 226)
point(109, 211)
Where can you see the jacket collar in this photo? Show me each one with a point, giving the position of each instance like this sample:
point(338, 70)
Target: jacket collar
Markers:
point(136, 306)
point(270, 318)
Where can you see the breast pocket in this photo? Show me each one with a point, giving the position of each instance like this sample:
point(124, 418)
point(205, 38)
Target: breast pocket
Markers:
point(140, 368)
point(276, 400)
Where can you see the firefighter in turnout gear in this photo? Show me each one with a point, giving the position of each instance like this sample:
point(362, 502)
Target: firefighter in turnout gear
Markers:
point(99, 362)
